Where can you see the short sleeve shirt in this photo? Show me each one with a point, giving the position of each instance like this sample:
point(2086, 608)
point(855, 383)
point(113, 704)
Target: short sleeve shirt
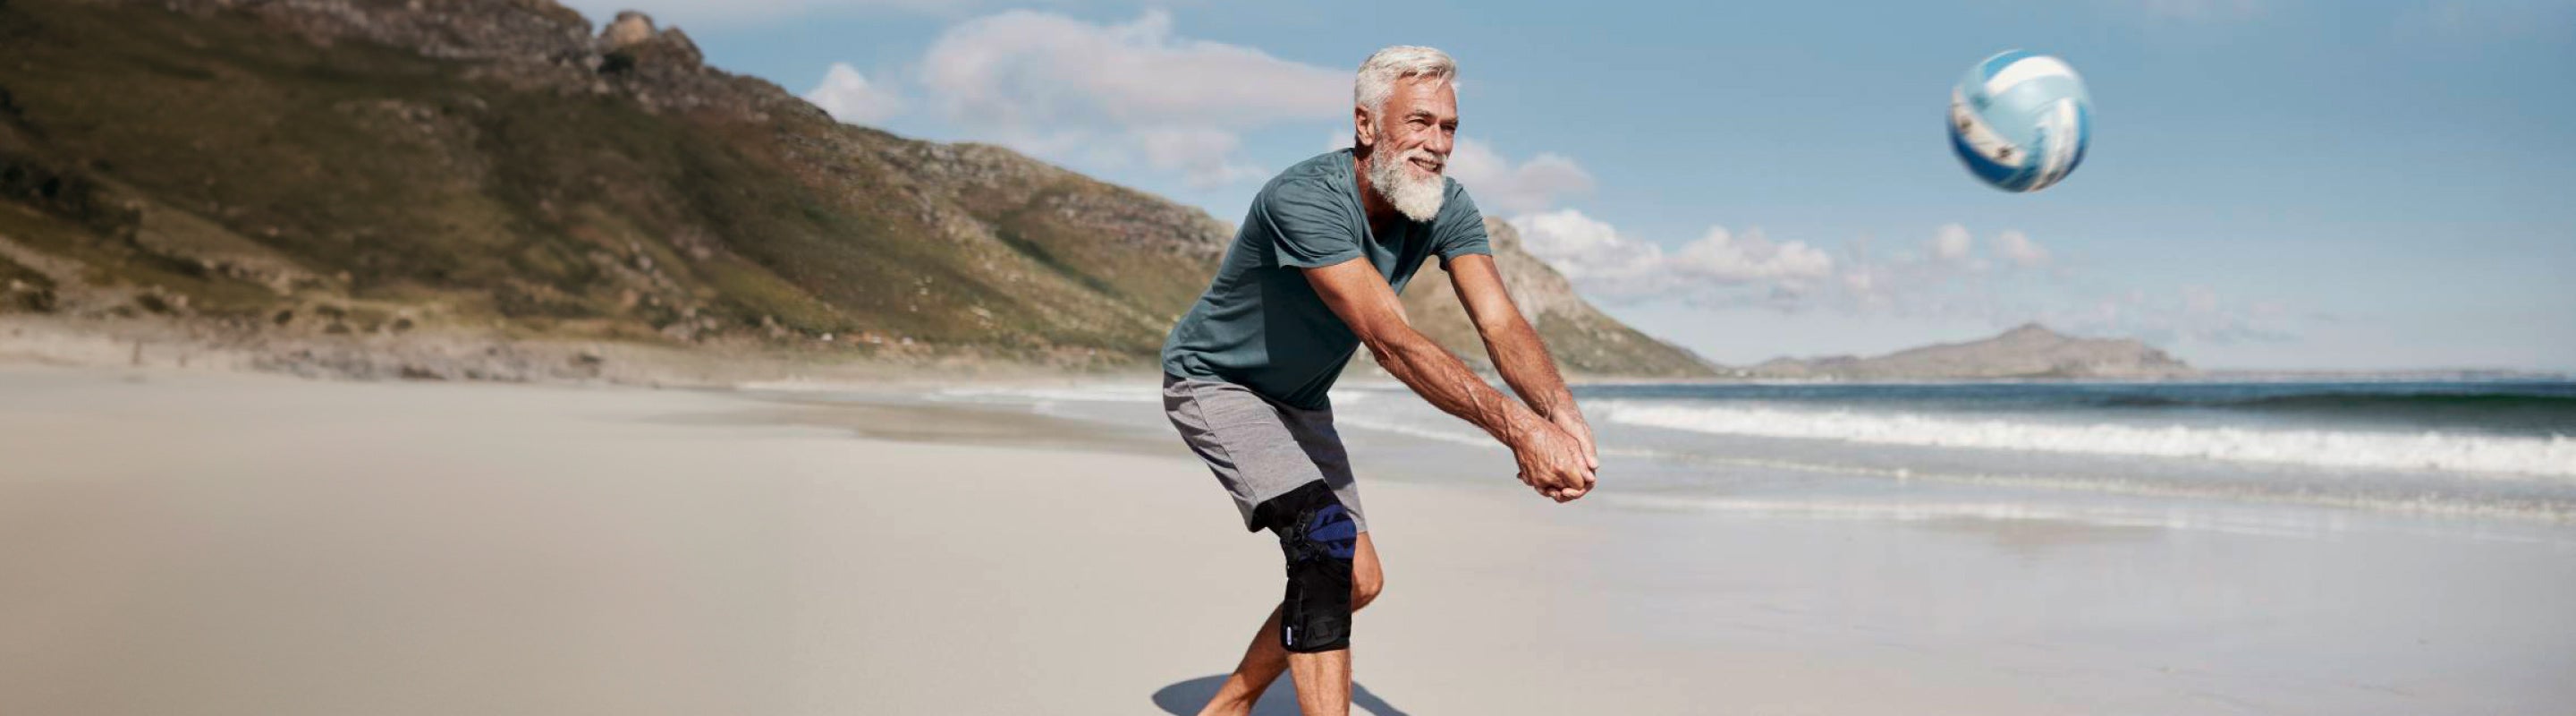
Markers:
point(1261, 325)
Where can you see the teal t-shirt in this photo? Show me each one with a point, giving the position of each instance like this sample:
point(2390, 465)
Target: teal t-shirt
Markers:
point(1260, 324)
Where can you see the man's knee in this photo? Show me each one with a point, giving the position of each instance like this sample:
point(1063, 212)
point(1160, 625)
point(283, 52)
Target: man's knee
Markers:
point(1366, 582)
point(1317, 537)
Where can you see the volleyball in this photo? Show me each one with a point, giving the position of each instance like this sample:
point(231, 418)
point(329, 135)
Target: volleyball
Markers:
point(2020, 121)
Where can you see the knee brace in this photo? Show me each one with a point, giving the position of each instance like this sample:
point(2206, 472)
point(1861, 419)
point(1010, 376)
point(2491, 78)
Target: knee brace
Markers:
point(1317, 536)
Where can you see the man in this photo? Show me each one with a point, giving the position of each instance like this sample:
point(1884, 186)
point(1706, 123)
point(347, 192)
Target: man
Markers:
point(1313, 274)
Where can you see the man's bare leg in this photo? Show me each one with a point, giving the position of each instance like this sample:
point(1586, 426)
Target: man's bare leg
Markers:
point(1265, 658)
point(1323, 682)
point(1262, 662)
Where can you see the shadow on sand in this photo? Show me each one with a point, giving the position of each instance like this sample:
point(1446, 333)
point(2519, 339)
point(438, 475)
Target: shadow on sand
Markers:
point(1185, 698)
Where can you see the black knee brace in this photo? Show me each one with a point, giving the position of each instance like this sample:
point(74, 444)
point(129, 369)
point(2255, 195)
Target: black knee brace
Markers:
point(1318, 537)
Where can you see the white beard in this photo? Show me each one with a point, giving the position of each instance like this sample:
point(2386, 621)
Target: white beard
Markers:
point(1417, 199)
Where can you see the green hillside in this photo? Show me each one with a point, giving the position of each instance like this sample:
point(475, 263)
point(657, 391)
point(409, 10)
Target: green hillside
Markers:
point(495, 165)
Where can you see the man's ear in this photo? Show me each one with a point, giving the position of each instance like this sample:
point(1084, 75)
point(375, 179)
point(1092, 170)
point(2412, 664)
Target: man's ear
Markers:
point(1363, 131)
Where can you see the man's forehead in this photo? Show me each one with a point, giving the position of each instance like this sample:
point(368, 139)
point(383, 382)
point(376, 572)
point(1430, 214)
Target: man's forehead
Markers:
point(1417, 93)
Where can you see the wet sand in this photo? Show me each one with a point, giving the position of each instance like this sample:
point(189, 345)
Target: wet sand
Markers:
point(194, 543)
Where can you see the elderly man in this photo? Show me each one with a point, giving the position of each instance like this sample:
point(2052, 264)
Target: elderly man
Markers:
point(1313, 274)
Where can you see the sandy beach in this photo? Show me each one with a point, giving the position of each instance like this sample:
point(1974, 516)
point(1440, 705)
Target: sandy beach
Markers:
point(207, 543)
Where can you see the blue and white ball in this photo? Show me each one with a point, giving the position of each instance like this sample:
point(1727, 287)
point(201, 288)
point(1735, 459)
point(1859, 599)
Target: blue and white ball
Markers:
point(2020, 121)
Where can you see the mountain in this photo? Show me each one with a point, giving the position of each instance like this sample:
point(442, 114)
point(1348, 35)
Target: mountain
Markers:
point(326, 170)
point(2029, 351)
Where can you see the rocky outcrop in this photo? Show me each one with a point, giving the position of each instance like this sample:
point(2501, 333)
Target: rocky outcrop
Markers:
point(2028, 351)
point(629, 29)
point(632, 40)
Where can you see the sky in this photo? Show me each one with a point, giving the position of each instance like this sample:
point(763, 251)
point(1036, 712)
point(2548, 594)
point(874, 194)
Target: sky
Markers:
point(2271, 184)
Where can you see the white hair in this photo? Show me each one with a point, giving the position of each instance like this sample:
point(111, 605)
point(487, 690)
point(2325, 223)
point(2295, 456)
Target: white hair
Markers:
point(1379, 74)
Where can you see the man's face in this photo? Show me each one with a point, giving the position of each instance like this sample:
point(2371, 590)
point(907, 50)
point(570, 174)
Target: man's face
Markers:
point(1418, 127)
point(1408, 145)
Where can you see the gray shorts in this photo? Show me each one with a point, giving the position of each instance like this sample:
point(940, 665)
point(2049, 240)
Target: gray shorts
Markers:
point(1260, 449)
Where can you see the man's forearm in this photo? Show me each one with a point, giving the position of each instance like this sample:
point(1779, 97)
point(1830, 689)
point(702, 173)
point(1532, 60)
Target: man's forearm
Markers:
point(1523, 360)
point(1447, 383)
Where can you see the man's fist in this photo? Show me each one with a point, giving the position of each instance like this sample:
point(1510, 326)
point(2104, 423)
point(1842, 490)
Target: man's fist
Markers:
point(1553, 462)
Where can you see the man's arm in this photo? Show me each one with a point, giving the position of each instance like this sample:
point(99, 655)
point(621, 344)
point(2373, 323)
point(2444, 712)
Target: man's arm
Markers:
point(1516, 349)
point(1550, 460)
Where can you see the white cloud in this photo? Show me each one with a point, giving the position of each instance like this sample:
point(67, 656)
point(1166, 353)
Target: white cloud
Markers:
point(1587, 250)
point(1502, 188)
point(1027, 66)
point(1203, 156)
point(2017, 248)
point(1598, 258)
point(1949, 277)
point(1120, 94)
point(2190, 315)
point(851, 98)
point(2199, 299)
point(1724, 256)
point(1945, 279)
point(1952, 242)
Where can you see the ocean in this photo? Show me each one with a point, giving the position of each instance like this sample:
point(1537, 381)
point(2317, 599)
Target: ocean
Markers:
point(2490, 456)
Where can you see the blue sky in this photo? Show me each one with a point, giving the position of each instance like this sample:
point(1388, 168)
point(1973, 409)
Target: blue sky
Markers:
point(2271, 184)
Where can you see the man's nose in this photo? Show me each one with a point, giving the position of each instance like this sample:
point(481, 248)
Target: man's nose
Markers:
point(1441, 142)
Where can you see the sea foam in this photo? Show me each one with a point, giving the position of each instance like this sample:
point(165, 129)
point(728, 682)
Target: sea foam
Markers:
point(2553, 456)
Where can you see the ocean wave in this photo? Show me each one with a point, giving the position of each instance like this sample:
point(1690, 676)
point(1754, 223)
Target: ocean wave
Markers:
point(1827, 508)
point(2355, 399)
point(1458, 436)
point(2264, 522)
point(2552, 456)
